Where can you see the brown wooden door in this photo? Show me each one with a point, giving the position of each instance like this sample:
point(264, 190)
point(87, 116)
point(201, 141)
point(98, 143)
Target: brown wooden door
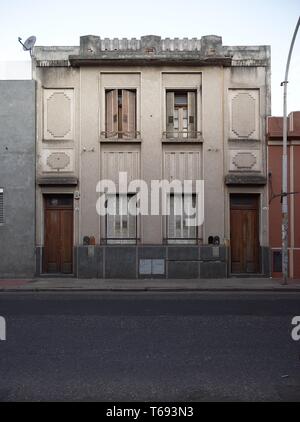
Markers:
point(244, 236)
point(58, 256)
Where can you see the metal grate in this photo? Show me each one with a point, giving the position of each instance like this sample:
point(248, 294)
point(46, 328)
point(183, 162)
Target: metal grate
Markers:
point(1, 207)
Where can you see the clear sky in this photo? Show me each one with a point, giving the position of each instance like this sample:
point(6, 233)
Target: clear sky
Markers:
point(239, 22)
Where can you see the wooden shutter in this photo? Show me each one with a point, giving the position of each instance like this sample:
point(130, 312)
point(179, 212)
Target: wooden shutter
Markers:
point(129, 113)
point(170, 114)
point(111, 124)
point(1, 207)
point(192, 115)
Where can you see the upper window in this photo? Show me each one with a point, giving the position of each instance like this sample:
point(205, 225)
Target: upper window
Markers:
point(120, 114)
point(181, 114)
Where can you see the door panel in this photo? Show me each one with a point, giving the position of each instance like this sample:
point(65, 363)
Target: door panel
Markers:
point(236, 243)
point(66, 217)
point(58, 256)
point(244, 222)
point(52, 235)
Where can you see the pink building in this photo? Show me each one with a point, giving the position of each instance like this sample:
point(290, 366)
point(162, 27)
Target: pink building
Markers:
point(274, 138)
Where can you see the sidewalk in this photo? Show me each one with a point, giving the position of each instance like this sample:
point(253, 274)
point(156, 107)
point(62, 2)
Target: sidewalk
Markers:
point(171, 285)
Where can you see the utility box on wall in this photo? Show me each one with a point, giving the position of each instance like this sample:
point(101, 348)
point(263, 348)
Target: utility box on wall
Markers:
point(152, 267)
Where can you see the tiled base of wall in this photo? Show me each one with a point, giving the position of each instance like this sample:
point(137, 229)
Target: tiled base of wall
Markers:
point(153, 262)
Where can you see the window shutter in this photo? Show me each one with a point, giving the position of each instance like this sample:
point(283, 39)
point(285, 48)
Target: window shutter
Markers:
point(1, 207)
point(111, 114)
point(189, 231)
point(192, 114)
point(129, 113)
point(178, 211)
point(132, 221)
point(110, 219)
point(170, 114)
point(171, 219)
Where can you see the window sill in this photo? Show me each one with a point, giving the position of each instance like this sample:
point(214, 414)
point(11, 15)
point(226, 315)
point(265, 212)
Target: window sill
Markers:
point(244, 139)
point(198, 140)
point(120, 141)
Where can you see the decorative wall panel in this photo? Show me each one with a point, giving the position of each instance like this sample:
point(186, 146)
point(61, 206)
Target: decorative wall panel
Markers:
point(58, 114)
point(57, 161)
point(244, 114)
point(245, 160)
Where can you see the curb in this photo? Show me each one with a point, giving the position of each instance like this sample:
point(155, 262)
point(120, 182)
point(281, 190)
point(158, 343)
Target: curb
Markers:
point(152, 289)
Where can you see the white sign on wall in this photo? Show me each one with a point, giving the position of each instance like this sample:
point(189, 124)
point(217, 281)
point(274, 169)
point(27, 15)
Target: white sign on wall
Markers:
point(2, 329)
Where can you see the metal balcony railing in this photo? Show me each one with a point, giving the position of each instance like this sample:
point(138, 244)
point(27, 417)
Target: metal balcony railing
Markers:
point(121, 135)
point(120, 241)
point(183, 240)
point(182, 135)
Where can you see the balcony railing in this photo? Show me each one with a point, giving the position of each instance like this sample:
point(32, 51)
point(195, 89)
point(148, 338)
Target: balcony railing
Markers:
point(183, 241)
point(120, 241)
point(120, 135)
point(183, 135)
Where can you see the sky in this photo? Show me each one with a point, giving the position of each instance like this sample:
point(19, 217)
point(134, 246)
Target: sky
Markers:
point(239, 22)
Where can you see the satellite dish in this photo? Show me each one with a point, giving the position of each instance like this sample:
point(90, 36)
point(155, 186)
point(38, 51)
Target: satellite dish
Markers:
point(29, 43)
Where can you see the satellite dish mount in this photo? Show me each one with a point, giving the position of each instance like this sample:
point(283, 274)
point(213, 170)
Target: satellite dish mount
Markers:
point(28, 44)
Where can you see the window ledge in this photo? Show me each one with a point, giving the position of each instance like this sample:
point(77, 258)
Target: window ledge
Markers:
point(243, 140)
point(198, 140)
point(120, 141)
point(245, 179)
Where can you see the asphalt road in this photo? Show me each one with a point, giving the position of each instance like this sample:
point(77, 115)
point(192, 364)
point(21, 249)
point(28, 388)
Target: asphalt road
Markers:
point(149, 347)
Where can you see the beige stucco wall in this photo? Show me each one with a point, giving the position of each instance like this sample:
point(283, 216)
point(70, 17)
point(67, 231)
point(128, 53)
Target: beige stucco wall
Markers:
point(89, 83)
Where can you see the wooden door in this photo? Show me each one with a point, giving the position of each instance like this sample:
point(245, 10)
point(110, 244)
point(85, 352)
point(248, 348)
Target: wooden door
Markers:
point(244, 236)
point(58, 256)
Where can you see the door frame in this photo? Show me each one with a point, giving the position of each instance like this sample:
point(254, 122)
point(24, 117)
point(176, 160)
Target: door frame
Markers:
point(259, 195)
point(45, 194)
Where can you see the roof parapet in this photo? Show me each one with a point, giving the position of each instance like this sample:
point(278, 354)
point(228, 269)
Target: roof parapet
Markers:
point(94, 44)
point(207, 50)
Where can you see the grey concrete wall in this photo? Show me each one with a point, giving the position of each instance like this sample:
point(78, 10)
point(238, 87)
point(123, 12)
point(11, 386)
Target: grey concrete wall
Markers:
point(155, 262)
point(17, 178)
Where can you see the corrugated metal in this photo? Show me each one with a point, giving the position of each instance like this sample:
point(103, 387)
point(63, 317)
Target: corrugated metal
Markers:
point(114, 162)
point(182, 165)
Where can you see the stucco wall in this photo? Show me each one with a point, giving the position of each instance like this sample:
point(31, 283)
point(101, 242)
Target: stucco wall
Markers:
point(218, 76)
point(17, 178)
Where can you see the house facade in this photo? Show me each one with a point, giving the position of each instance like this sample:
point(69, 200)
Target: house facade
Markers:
point(154, 109)
point(274, 139)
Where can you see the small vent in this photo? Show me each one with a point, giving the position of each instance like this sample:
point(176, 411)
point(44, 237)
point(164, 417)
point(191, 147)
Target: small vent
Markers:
point(1, 207)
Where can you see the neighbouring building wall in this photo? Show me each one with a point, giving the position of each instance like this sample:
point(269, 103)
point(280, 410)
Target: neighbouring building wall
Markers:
point(275, 129)
point(17, 179)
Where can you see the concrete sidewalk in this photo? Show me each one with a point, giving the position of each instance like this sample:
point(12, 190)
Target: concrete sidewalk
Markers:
point(73, 284)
